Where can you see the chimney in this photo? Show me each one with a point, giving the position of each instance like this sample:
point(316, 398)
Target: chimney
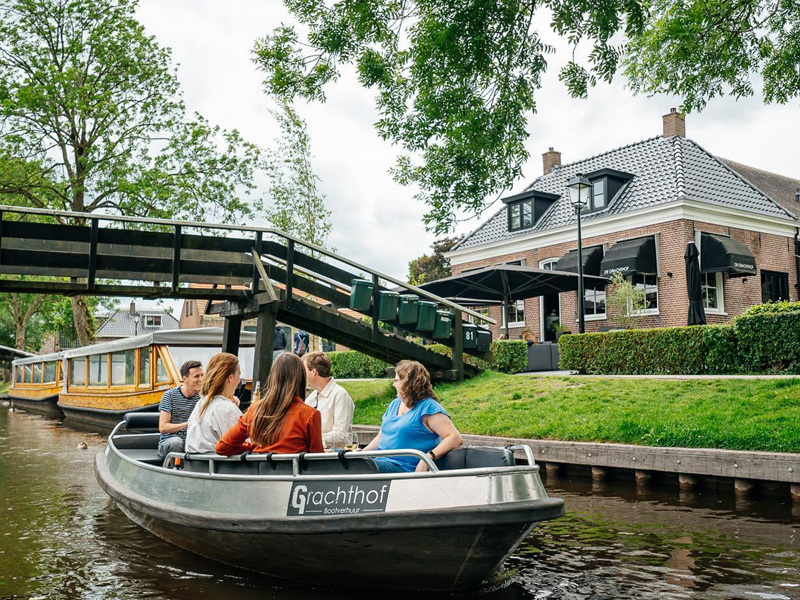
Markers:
point(550, 160)
point(674, 124)
point(133, 308)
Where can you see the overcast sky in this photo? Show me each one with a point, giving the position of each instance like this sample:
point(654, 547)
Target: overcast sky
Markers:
point(376, 221)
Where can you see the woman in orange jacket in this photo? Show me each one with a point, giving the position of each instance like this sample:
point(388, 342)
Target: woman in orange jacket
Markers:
point(280, 421)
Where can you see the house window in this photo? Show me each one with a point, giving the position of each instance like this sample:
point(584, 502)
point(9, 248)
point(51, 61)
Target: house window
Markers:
point(515, 315)
point(649, 285)
point(598, 194)
point(152, 320)
point(711, 285)
point(774, 286)
point(594, 303)
point(520, 215)
point(484, 310)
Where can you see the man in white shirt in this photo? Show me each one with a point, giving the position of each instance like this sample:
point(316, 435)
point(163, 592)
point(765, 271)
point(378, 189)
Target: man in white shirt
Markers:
point(330, 399)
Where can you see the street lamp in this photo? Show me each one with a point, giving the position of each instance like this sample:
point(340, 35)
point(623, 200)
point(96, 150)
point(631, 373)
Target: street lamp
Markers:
point(579, 190)
point(136, 317)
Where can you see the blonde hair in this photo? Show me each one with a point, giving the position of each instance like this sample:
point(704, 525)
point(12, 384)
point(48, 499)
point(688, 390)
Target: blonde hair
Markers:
point(416, 382)
point(287, 379)
point(220, 367)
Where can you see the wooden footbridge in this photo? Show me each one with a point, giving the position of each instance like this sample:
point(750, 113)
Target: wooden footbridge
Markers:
point(257, 272)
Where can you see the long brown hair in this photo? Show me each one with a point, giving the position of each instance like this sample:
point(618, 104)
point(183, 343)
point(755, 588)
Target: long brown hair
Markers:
point(287, 379)
point(220, 367)
point(416, 380)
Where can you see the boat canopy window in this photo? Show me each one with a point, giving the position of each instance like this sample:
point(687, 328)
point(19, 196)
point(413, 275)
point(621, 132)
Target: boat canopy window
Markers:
point(37, 373)
point(18, 371)
point(98, 369)
point(144, 367)
point(77, 371)
point(123, 367)
point(162, 374)
point(50, 372)
point(180, 354)
point(27, 374)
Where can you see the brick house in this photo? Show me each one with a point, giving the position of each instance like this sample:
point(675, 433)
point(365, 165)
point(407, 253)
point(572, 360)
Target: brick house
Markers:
point(648, 200)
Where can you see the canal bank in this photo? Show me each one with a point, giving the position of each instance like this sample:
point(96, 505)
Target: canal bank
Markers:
point(745, 473)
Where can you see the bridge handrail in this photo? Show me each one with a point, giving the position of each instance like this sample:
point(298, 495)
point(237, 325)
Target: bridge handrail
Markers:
point(278, 232)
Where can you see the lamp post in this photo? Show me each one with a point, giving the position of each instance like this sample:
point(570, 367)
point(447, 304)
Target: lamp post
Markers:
point(136, 317)
point(579, 189)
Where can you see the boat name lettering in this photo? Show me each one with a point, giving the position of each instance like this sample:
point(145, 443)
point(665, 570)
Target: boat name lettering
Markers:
point(335, 498)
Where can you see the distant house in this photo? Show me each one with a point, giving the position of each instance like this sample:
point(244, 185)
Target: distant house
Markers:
point(648, 200)
point(126, 322)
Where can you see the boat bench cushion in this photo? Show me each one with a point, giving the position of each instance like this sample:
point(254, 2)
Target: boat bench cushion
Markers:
point(142, 421)
point(282, 467)
point(476, 457)
point(146, 441)
point(145, 455)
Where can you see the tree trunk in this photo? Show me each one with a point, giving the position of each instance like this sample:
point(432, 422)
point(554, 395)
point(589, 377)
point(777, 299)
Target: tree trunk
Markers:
point(19, 333)
point(84, 320)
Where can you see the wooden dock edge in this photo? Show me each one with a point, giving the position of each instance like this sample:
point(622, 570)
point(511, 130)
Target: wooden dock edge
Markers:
point(746, 468)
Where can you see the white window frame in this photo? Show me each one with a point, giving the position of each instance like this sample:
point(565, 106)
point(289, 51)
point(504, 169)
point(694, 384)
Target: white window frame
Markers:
point(720, 309)
point(484, 310)
point(599, 316)
point(543, 264)
point(514, 324)
point(152, 319)
point(647, 311)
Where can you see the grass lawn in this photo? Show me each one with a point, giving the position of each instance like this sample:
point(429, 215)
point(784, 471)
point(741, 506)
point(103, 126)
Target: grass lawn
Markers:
point(737, 414)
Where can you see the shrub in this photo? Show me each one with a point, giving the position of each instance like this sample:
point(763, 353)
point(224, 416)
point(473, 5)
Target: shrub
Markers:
point(772, 308)
point(667, 351)
point(769, 341)
point(510, 356)
point(355, 365)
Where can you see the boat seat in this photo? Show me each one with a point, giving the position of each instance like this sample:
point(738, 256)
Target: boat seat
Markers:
point(145, 455)
point(141, 421)
point(476, 457)
point(146, 441)
point(355, 466)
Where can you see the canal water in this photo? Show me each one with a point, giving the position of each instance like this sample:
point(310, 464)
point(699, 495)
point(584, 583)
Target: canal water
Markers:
point(62, 538)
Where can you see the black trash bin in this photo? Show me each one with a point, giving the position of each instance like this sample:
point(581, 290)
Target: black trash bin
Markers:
point(470, 335)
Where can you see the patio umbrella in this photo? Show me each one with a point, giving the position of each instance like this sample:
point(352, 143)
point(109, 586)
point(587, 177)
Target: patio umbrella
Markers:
point(697, 315)
point(507, 284)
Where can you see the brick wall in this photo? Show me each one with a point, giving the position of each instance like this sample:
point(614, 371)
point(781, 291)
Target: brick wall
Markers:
point(772, 252)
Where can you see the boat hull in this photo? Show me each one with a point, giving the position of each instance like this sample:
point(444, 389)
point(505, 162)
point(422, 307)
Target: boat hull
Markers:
point(97, 418)
point(47, 405)
point(443, 532)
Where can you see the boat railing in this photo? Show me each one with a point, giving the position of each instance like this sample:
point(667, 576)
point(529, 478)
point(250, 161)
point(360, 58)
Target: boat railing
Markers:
point(175, 459)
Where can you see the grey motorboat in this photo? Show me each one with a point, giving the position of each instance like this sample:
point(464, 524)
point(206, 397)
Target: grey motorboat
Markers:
point(331, 518)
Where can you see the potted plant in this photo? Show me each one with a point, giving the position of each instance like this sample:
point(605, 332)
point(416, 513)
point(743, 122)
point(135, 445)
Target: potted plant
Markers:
point(560, 330)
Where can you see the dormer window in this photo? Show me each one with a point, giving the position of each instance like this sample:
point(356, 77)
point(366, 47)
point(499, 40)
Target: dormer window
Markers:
point(606, 183)
point(520, 215)
point(525, 209)
point(152, 320)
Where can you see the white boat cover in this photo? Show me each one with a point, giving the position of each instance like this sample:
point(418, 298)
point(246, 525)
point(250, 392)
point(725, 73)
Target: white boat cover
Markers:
point(202, 336)
point(37, 358)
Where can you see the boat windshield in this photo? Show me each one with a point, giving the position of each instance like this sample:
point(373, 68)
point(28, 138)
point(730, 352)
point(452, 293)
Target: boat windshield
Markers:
point(180, 354)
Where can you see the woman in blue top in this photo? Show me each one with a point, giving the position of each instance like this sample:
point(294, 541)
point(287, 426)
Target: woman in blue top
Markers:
point(413, 420)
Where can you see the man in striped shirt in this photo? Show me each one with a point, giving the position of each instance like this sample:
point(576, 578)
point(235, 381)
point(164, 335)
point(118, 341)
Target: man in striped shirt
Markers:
point(175, 407)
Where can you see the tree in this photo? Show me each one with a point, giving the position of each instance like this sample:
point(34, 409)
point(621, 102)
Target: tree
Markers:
point(625, 302)
point(92, 105)
point(456, 79)
point(701, 49)
point(430, 268)
point(298, 206)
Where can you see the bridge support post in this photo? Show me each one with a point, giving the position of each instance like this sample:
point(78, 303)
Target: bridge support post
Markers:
point(265, 337)
point(457, 352)
point(231, 333)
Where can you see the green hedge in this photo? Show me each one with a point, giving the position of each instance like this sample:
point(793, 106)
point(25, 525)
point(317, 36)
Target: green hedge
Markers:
point(510, 356)
point(766, 339)
point(355, 365)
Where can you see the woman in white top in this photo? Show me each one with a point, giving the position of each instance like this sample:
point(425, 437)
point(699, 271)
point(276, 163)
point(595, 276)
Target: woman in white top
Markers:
point(218, 409)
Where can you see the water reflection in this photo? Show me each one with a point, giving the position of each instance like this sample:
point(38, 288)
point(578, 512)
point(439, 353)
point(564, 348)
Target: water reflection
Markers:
point(62, 538)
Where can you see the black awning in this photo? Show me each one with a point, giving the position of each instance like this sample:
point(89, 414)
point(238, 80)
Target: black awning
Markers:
point(592, 257)
point(723, 254)
point(630, 256)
